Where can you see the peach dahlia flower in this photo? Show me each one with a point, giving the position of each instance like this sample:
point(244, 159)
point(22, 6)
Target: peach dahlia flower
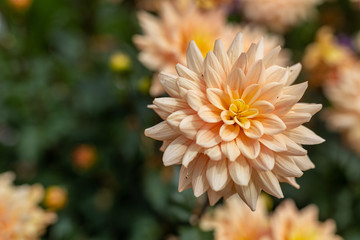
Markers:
point(235, 221)
point(165, 39)
point(289, 223)
point(20, 216)
point(279, 15)
point(232, 120)
point(342, 116)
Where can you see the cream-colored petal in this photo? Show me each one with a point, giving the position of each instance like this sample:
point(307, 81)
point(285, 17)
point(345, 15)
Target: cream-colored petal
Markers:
point(209, 113)
point(212, 61)
point(217, 174)
point(294, 72)
point(175, 118)
point(294, 119)
point(303, 162)
point(241, 63)
point(199, 181)
point(165, 144)
point(296, 90)
point(311, 108)
point(194, 58)
point(250, 148)
point(255, 131)
point(235, 83)
point(240, 171)
point(236, 48)
point(303, 135)
point(273, 142)
point(161, 131)
point(169, 104)
point(229, 132)
point(185, 177)
point(293, 148)
point(272, 124)
point(271, 92)
point(230, 150)
point(208, 135)
point(188, 84)
point(251, 53)
point(184, 72)
point(271, 57)
point(284, 104)
point(256, 73)
point(191, 153)
point(218, 98)
point(265, 161)
point(260, 50)
point(190, 126)
point(169, 83)
point(263, 106)
point(227, 118)
point(162, 114)
point(221, 55)
point(269, 182)
point(195, 99)
point(276, 74)
point(212, 78)
point(175, 151)
point(249, 193)
point(214, 153)
point(251, 93)
point(213, 196)
point(289, 180)
point(285, 166)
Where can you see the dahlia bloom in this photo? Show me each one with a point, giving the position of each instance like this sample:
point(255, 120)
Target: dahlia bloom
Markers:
point(165, 39)
point(235, 221)
point(279, 15)
point(20, 216)
point(288, 222)
point(233, 122)
point(342, 116)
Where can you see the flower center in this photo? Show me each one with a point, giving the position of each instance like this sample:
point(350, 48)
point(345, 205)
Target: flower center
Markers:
point(203, 41)
point(239, 112)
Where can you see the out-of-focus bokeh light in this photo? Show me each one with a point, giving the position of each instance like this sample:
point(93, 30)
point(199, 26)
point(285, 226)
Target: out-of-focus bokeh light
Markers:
point(55, 198)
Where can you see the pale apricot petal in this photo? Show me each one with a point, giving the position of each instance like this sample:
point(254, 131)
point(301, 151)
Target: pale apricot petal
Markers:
point(256, 73)
point(208, 135)
point(250, 53)
point(249, 193)
point(294, 72)
point(229, 132)
point(213, 62)
point(293, 148)
point(303, 162)
point(241, 63)
point(259, 49)
point(271, 92)
point(243, 122)
point(289, 180)
point(169, 83)
point(213, 196)
point(311, 108)
point(185, 177)
point(212, 78)
point(186, 73)
point(269, 182)
point(230, 150)
point(235, 83)
point(214, 153)
point(240, 171)
point(209, 113)
point(297, 90)
point(199, 181)
point(272, 124)
point(161, 131)
point(191, 125)
point(285, 166)
point(191, 152)
point(217, 174)
point(195, 100)
point(169, 104)
point(187, 84)
point(276, 74)
point(295, 119)
point(162, 114)
point(303, 135)
point(250, 148)
point(175, 151)
point(284, 104)
point(218, 98)
point(255, 131)
point(165, 144)
point(221, 55)
point(194, 58)
point(263, 106)
point(175, 118)
point(271, 57)
point(265, 161)
point(251, 93)
point(273, 142)
point(226, 116)
point(236, 48)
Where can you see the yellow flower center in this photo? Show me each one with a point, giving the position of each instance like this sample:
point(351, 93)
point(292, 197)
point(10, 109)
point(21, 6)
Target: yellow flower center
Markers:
point(204, 41)
point(310, 234)
point(239, 112)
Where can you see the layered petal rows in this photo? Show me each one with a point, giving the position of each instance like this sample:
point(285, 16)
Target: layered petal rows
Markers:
point(234, 123)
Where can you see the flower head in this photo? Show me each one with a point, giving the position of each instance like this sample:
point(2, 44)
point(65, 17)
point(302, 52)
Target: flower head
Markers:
point(232, 120)
point(165, 39)
point(288, 222)
point(20, 215)
point(343, 116)
point(279, 15)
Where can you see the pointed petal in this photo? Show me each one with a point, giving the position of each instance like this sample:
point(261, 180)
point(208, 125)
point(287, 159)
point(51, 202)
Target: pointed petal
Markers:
point(255, 131)
point(241, 63)
point(294, 72)
point(217, 174)
point(209, 113)
point(250, 148)
point(194, 58)
point(276, 74)
point(221, 55)
point(212, 61)
point(190, 126)
point(284, 104)
point(256, 73)
point(271, 92)
point(175, 151)
point(218, 98)
point(169, 104)
point(303, 162)
point(285, 166)
point(249, 194)
point(251, 93)
point(263, 106)
point(307, 108)
point(251, 52)
point(269, 183)
point(175, 118)
point(271, 57)
point(230, 150)
point(273, 142)
point(208, 135)
point(229, 132)
point(293, 148)
point(184, 72)
point(199, 181)
point(161, 131)
point(169, 83)
point(272, 124)
point(260, 49)
point(214, 153)
point(191, 152)
point(235, 83)
point(212, 78)
point(296, 90)
point(303, 135)
point(294, 119)
point(236, 48)
point(185, 177)
point(265, 161)
point(240, 171)
point(195, 99)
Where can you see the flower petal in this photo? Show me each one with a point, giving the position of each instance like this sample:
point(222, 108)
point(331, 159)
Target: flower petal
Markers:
point(218, 98)
point(265, 161)
point(185, 177)
point(249, 194)
point(195, 99)
point(169, 83)
point(175, 118)
point(273, 142)
point(307, 108)
point(296, 90)
point(208, 135)
point(256, 73)
point(184, 72)
point(241, 63)
point(212, 61)
point(303, 162)
point(303, 135)
point(295, 119)
point(175, 151)
point(285, 166)
point(161, 131)
point(169, 104)
point(269, 183)
point(250, 148)
point(271, 92)
point(217, 174)
point(212, 78)
point(214, 153)
point(271, 57)
point(272, 124)
point(190, 126)
point(255, 131)
point(263, 106)
point(240, 171)
point(199, 181)
point(251, 93)
point(209, 113)
point(230, 150)
point(221, 55)
point(284, 104)
point(229, 132)
point(235, 83)
point(294, 72)
point(236, 48)
point(194, 58)
point(191, 152)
